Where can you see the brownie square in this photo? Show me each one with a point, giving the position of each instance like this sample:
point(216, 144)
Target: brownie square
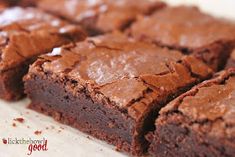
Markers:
point(111, 86)
point(25, 34)
point(200, 122)
point(189, 30)
point(101, 16)
point(231, 60)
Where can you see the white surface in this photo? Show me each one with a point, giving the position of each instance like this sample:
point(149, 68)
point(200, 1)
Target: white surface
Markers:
point(70, 142)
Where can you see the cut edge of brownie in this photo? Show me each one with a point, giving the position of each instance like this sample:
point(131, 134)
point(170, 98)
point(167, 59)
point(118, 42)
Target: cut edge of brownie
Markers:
point(176, 135)
point(92, 116)
point(10, 88)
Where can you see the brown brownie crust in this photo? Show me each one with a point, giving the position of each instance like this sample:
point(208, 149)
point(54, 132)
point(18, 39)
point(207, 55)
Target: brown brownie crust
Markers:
point(190, 31)
point(8, 3)
point(25, 34)
point(199, 122)
point(127, 81)
point(101, 16)
point(2, 6)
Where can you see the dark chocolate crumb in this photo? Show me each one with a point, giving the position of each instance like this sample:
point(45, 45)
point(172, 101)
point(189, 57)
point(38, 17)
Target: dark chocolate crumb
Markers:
point(14, 124)
point(20, 120)
point(37, 132)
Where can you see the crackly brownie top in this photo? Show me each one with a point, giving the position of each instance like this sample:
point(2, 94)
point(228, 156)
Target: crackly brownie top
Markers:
point(103, 15)
point(105, 60)
point(127, 73)
point(210, 102)
point(183, 27)
point(25, 33)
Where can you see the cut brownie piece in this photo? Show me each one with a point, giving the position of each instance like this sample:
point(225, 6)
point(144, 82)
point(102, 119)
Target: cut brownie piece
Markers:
point(8, 2)
point(200, 122)
point(189, 30)
point(231, 60)
point(100, 16)
point(111, 86)
point(24, 34)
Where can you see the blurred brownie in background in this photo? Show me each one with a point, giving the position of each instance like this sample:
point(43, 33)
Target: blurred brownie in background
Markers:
point(189, 30)
point(8, 2)
point(2, 6)
point(11, 3)
point(27, 3)
point(111, 86)
point(101, 16)
point(200, 122)
point(25, 34)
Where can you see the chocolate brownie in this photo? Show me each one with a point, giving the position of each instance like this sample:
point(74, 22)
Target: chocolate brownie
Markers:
point(25, 34)
point(111, 86)
point(200, 122)
point(8, 2)
point(231, 60)
point(27, 3)
point(189, 30)
point(2, 6)
point(100, 16)
point(11, 3)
